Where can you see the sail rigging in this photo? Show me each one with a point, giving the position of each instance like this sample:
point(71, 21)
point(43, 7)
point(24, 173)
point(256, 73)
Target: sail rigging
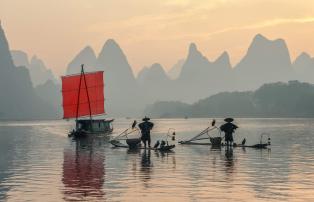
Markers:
point(83, 94)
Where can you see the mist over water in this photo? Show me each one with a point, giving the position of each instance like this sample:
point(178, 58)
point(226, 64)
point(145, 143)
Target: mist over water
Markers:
point(39, 162)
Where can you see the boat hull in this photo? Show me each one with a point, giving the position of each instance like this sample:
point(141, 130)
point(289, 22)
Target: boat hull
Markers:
point(82, 134)
point(85, 128)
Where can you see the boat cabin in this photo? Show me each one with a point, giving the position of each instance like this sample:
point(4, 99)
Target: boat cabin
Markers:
point(94, 126)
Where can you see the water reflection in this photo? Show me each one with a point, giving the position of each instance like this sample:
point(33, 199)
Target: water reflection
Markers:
point(37, 164)
point(167, 157)
point(146, 166)
point(84, 170)
point(229, 161)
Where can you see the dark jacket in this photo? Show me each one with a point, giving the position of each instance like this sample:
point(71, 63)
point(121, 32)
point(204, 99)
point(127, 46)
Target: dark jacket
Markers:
point(146, 127)
point(228, 128)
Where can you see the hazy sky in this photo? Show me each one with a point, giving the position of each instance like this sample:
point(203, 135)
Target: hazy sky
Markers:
point(152, 31)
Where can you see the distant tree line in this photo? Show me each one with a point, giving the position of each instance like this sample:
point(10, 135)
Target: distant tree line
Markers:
point(292, 99)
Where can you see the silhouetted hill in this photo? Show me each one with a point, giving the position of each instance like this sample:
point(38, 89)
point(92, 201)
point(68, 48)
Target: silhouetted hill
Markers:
point(222, 75)
point(141, 76)
point(293, 99)
point(174, 72)
point(195, 64)
point(193, 80)
point(281, 99)
point(113, 61)
point(200, 77)
point(38, 71)
point(265, 61)
point(20, 58)
point(5, 56)
point(154, 75)
point(87, 57)
point(154, 83)
point(222, 64)
point(304, 67)
point(50, 92)
point(18, 97)
point(121, 90)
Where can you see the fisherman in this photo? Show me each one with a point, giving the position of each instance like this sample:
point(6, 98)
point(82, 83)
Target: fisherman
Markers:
point(146, 126)
point(228, 128)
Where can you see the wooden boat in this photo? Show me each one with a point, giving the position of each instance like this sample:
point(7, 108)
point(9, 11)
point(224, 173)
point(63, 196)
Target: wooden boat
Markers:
point(85, 127)
point(83, 95)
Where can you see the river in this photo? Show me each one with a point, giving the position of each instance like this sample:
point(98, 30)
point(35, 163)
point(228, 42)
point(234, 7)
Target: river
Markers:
point(38, 162)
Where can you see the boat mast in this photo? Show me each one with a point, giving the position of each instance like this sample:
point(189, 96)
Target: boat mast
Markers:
point(90, 111)
point(78, 95)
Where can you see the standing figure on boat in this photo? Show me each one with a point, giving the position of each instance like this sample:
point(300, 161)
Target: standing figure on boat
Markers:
point(146, 126)
point(228, 128)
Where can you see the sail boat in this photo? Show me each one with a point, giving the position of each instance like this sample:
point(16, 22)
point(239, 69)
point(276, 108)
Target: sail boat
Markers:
point(83, 96)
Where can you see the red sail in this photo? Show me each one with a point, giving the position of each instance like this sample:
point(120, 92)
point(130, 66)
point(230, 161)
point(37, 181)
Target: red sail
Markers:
point(75, 96)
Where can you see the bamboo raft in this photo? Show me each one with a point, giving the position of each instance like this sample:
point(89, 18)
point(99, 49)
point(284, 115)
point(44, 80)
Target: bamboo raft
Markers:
point(118, 144)
point(257, 146)
point(216, 141)
point(135, 143)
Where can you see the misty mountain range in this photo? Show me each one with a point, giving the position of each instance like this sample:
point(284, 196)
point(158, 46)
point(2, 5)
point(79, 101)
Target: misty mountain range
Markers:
point(192, 78)
point(19, 99)
point(46, 85)
point(39, 73)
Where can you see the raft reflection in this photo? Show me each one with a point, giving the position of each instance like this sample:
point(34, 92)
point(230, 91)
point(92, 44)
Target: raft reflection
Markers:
point(229, 159)
point(83, 170)
point(146, 165)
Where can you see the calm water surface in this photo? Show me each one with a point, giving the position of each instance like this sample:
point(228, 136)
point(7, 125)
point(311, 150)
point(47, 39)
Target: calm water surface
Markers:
point(38, 162)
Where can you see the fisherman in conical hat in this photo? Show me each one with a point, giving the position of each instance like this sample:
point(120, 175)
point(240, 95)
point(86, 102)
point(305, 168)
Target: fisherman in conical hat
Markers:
point(228, 128)
point(146, 126)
